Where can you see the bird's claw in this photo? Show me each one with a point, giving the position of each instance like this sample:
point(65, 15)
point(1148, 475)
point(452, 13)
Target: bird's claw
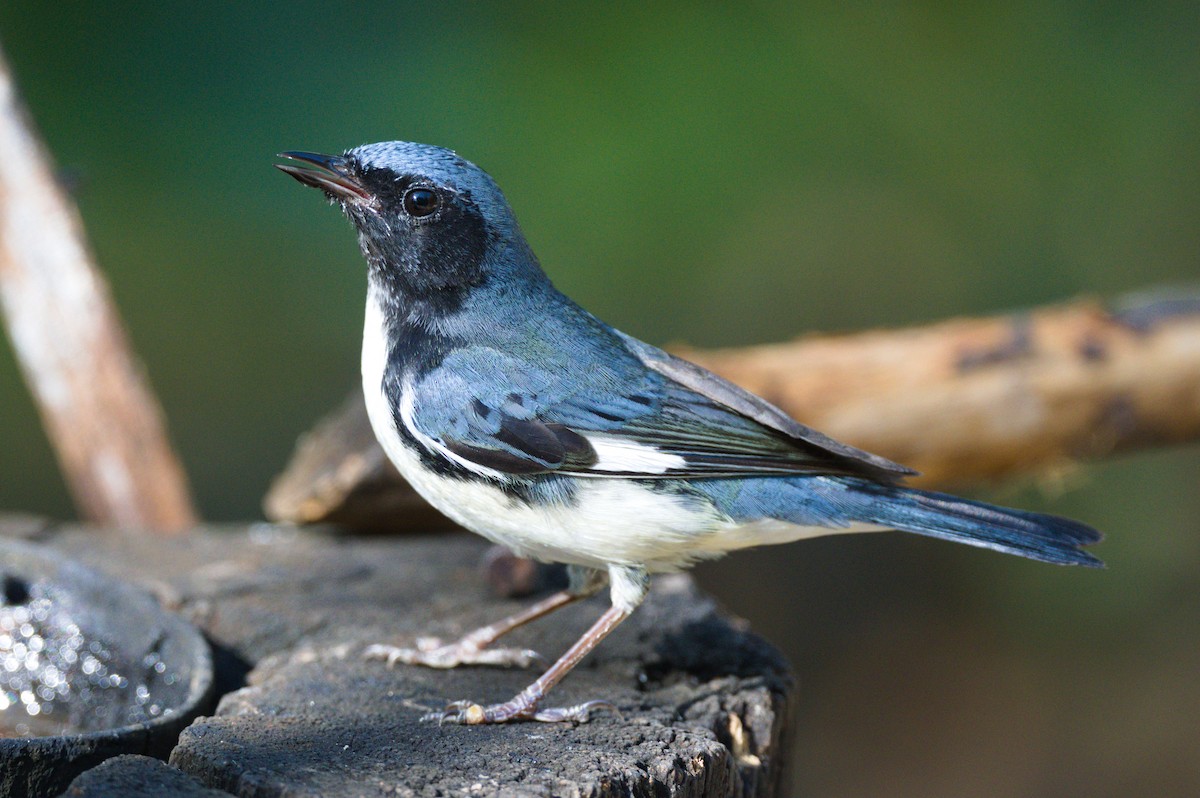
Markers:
point(468, 713)
point(432, 653)
point(579, 713)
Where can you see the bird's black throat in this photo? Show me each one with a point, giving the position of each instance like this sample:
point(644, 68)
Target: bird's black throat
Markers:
point(427, 274)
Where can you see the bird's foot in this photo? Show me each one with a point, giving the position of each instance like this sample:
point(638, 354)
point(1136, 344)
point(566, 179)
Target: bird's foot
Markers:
point(433, 653)
point(523, 707)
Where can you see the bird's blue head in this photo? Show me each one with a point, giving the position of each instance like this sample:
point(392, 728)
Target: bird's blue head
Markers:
point(432, 226)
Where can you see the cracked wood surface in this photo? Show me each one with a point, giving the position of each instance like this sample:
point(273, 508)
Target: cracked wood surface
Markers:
point(705, 703)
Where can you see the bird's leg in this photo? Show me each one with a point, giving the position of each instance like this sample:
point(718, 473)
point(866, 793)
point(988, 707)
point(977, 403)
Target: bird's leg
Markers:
point(472, 648)
point(629, 587)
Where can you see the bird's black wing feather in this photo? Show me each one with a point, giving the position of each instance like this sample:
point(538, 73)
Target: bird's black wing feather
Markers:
point(524, 446)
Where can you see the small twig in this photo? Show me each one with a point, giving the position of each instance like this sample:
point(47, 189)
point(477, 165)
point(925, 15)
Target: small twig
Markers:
point(102, 419)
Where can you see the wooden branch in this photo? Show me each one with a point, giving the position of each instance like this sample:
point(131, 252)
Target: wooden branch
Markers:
point(975, 400)
point(340, 475)
point(962, 401)
point(102, 419)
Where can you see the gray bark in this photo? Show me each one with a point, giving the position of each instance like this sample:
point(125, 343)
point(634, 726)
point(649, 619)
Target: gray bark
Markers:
point(704, 703)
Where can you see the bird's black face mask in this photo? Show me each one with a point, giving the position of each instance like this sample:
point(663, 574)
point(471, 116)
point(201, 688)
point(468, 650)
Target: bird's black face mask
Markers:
point(422, 240)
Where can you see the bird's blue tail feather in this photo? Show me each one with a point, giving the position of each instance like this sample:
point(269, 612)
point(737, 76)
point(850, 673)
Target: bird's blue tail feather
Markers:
point(1042, 537)
point(840, 502)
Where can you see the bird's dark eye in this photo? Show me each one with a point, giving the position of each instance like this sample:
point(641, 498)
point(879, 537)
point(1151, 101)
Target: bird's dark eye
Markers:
point(420, 201)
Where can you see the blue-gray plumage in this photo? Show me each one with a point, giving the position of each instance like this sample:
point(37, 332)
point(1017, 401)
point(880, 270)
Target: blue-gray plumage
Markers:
point(528, 420)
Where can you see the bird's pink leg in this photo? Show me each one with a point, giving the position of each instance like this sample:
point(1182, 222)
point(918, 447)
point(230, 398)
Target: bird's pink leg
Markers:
point(524, 706)
point(629, 586)
point(472, 648)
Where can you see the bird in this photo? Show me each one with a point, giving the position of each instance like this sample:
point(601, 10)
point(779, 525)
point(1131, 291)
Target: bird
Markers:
point(531, 422)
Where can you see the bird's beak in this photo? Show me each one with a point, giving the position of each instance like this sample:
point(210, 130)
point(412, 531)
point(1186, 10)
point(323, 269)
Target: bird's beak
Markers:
point(333, 174)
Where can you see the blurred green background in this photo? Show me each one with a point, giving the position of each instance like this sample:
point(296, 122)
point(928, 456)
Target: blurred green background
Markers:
point(715, 176)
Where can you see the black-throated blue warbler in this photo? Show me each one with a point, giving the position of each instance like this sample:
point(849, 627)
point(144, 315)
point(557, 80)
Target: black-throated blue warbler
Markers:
point(531, 422)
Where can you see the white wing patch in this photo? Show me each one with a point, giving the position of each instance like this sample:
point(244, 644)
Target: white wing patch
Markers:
point(625, 456)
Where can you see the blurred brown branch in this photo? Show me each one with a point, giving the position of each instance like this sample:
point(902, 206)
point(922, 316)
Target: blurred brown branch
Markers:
point(103, 421)
point(972, 400)
point(962, 401)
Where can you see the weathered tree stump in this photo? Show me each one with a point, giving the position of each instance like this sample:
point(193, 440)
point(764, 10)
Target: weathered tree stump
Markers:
point(133, 776)
point(704, 703)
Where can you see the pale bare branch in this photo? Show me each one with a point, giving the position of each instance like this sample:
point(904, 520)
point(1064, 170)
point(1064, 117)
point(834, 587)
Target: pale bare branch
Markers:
point(104, 423)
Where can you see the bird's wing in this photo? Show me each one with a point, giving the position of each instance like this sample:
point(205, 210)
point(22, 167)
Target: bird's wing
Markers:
point(737, 399)
point(636, 412)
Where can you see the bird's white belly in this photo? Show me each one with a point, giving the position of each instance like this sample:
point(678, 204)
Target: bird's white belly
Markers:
point(606, 521)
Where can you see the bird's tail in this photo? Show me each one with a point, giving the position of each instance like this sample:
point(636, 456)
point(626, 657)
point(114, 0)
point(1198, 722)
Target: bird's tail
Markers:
point(1048, 538)
point(809, 506)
